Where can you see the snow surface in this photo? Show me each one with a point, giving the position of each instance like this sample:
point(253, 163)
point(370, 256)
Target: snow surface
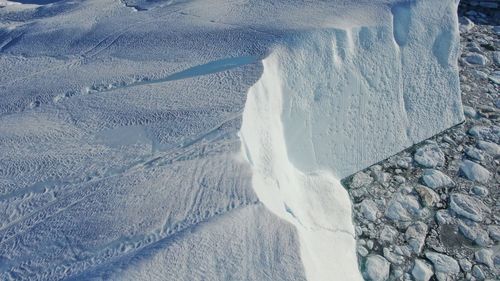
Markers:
point(206, 140)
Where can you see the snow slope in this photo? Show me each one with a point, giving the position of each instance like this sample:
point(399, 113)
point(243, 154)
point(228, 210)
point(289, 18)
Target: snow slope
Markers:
point(121, 121)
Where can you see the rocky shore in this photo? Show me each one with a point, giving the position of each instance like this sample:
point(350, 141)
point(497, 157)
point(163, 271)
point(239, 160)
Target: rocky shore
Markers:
point(432, 212)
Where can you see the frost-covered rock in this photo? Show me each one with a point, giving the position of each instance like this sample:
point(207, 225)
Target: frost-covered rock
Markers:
point(474, 171)
point(429, 156)
point(403, 208)
point(376, 268)
point(422, 271)
point(388, 234)
point(436, 179)
point(485, 256)
point(444, 266)
point(474, 153)
point(468, 207)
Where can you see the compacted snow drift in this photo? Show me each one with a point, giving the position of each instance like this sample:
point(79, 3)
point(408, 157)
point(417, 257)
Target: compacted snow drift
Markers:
point(206, 140)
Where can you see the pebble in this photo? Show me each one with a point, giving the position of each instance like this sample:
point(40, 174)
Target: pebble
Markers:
point(377, 268)
point(435, 179)
point(476, 59)
point(467, 206)
point(474, 171)
point(429, 156)
point(422, 271)
point(443, 265)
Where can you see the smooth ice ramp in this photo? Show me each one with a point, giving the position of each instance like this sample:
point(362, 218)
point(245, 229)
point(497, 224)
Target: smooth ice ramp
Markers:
point(334, 101)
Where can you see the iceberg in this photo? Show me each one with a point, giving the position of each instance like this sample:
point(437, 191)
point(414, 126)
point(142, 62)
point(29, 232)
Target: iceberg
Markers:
point(206, 139)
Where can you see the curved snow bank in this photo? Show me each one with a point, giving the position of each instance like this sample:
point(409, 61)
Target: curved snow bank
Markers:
point(315, 202)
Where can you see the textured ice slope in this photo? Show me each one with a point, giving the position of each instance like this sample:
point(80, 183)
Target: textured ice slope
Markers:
point(120, 155)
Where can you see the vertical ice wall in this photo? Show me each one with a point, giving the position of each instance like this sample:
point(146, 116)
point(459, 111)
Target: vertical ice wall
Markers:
point(334, 101)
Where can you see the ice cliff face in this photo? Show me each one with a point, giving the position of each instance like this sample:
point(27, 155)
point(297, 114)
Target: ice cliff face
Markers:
point(334, 101)
point(205, 140)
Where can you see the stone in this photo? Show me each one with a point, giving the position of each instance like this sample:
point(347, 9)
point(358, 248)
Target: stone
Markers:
point(369, 210)
point(480, 191)
point(422, 271)
point(467, 206)
point(376, 268)
point(476, 59)
point(474, 171)
point(388, 234)
point(485, 256)
point(428, 197)
point(444, 266)
point(415, 235)
point(361, 179)
point(436, 179)
point(492, 149)
point(429, 156)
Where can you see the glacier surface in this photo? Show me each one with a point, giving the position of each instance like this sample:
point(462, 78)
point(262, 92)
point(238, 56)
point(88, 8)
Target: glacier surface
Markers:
point(206, 139)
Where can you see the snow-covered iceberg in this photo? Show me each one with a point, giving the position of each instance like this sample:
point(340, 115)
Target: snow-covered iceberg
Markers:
point(206, 140)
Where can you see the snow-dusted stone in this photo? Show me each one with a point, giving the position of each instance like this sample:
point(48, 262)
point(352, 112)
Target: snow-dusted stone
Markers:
point(485, 256)
point(393, 257)
point(361, 179)
point(492, 149)
point(369, 209)
point(474, 232)
point(465, 24)
point(468, 207)
point(436, 179)
point(429, 156)
point(415, 235)
point(476, 59)
point(376, 268)
point(474, 171)
point(422, 271)
point(470, 112)
point(444, 266)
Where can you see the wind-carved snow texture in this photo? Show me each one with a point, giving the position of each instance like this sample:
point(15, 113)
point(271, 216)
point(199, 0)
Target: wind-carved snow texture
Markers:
point(119, 150)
